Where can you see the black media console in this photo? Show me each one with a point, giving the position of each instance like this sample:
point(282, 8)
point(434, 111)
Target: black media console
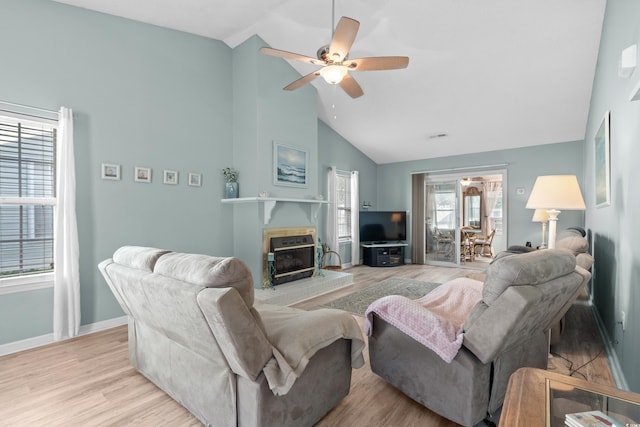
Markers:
point(383, 254)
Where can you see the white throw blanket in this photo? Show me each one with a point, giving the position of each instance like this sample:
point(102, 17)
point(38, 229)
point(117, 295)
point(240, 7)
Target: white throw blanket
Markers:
point(296, 335)
point(434, 320)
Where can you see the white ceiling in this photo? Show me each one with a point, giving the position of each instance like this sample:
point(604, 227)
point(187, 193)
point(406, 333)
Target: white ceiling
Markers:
point(489, 74)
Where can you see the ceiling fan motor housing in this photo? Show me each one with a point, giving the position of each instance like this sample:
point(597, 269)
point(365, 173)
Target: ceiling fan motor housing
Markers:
point(323, 55)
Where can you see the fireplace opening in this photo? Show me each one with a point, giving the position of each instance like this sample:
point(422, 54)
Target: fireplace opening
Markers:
point(293, 257)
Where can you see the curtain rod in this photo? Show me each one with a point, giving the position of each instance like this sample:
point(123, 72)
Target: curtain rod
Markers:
point(338, 170)
point(470, 168)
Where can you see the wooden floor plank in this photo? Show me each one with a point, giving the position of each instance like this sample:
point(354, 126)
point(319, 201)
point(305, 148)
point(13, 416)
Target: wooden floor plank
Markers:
point(88, 381)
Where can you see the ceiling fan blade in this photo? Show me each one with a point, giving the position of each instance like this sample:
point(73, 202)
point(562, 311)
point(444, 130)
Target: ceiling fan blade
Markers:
point(302, 81)
point(343, 38)
point(378, 63)
point(290, 55)
point(351, 86)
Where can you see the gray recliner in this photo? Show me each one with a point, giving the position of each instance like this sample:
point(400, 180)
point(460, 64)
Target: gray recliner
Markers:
point(523, 295)
point(195, 332)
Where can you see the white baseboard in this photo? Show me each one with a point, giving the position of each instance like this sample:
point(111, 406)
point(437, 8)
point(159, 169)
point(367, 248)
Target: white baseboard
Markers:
point(29, 343)
point(612, 357)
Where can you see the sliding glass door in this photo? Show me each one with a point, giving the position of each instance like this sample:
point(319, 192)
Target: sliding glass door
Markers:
point(441, 221)
point(464, 206)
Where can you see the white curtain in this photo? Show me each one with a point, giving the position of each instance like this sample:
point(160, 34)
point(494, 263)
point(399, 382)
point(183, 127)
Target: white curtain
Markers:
point(331, 239)
point(492, 193)
point(66, 290)
point(355, 219)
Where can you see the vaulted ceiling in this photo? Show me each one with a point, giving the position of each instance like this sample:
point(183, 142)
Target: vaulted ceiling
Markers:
point(483, 75)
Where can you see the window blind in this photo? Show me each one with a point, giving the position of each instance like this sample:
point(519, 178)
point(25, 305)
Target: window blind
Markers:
point(27, 196)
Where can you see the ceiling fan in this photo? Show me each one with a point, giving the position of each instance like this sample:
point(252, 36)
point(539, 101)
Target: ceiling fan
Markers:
point(335, 63)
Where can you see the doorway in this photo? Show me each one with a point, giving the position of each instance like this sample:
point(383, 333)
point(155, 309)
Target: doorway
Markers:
point(464, 219)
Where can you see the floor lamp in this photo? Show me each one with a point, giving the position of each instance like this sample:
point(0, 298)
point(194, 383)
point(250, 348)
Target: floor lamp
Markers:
point(554, 193)
point(540, 215)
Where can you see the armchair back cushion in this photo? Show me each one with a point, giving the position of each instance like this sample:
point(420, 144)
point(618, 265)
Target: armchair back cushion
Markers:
point(522, 294)
point(138, 257)
point(531, 269)
point(209, 272)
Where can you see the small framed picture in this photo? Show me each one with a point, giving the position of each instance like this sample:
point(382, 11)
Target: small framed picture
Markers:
point(171, 177)
point(110, 171)
point(195, 179)
point(142, 174)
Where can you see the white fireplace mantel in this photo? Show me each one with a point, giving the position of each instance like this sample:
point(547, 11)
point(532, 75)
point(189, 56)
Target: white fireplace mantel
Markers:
point(270, 203)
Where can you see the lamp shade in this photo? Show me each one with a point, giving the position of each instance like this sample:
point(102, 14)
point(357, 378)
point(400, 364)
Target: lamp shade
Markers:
point(556, 192)
point(540, 215)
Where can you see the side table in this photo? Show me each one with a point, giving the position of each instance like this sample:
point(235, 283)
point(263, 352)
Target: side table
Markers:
point(536, 397)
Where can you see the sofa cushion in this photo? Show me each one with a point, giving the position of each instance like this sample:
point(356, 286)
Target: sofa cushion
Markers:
point(531, 268)
point(208, 271)
point(138, 257)
point(572, 231)
point(577, 245)
point(585, 261)
point(518, 249)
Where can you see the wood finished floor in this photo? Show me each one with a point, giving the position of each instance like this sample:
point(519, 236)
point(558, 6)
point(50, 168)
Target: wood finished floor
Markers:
point(87, 381)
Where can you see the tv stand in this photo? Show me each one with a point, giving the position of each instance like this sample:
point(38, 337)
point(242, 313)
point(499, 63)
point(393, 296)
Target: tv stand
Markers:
point(383, 254)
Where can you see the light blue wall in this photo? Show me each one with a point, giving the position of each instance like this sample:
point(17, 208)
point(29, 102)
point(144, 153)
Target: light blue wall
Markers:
point(264, 113)
point(334, 150)
point(147, 96)
point(142, 96)
point(523, 165)
point(615, 230)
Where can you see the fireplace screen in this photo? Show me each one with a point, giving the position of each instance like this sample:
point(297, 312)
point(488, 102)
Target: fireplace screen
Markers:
point(293, 257)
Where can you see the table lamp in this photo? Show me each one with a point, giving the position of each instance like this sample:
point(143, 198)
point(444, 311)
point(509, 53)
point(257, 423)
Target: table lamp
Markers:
point(554, 193)
point(540, 215)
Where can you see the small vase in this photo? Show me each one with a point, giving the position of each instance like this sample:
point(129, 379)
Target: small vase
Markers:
point(231, 190)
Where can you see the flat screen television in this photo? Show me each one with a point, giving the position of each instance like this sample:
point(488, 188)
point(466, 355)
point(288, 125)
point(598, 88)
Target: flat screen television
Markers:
point(383, 226)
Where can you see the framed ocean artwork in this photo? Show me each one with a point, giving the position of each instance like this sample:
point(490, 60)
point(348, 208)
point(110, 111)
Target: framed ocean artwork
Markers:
point(290, 165)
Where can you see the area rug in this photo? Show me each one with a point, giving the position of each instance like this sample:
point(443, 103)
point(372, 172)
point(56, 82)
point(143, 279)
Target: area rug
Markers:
point(358, 301)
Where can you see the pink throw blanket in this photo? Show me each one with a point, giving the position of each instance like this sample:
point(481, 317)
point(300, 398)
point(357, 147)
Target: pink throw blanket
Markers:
point(436, 319)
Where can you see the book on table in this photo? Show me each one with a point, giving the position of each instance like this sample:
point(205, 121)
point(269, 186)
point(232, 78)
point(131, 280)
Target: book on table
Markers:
point(590, 419)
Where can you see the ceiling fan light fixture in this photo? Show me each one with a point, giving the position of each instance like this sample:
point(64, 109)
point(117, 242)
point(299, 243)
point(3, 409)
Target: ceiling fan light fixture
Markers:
point(333, 74)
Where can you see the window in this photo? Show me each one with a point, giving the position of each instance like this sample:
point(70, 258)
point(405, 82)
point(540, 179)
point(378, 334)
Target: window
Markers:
point(496, 214)
point(27, 197)
point(445, 204)
point(343, 188)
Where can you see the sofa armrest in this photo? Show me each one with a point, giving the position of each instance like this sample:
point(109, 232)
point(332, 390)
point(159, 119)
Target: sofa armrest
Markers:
point(103, 267)
point(237, 331)
point(296, 335)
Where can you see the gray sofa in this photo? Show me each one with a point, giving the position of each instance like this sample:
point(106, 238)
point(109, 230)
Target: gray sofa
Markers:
point(573, 240)
point(196, 333)
point(522, 296)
